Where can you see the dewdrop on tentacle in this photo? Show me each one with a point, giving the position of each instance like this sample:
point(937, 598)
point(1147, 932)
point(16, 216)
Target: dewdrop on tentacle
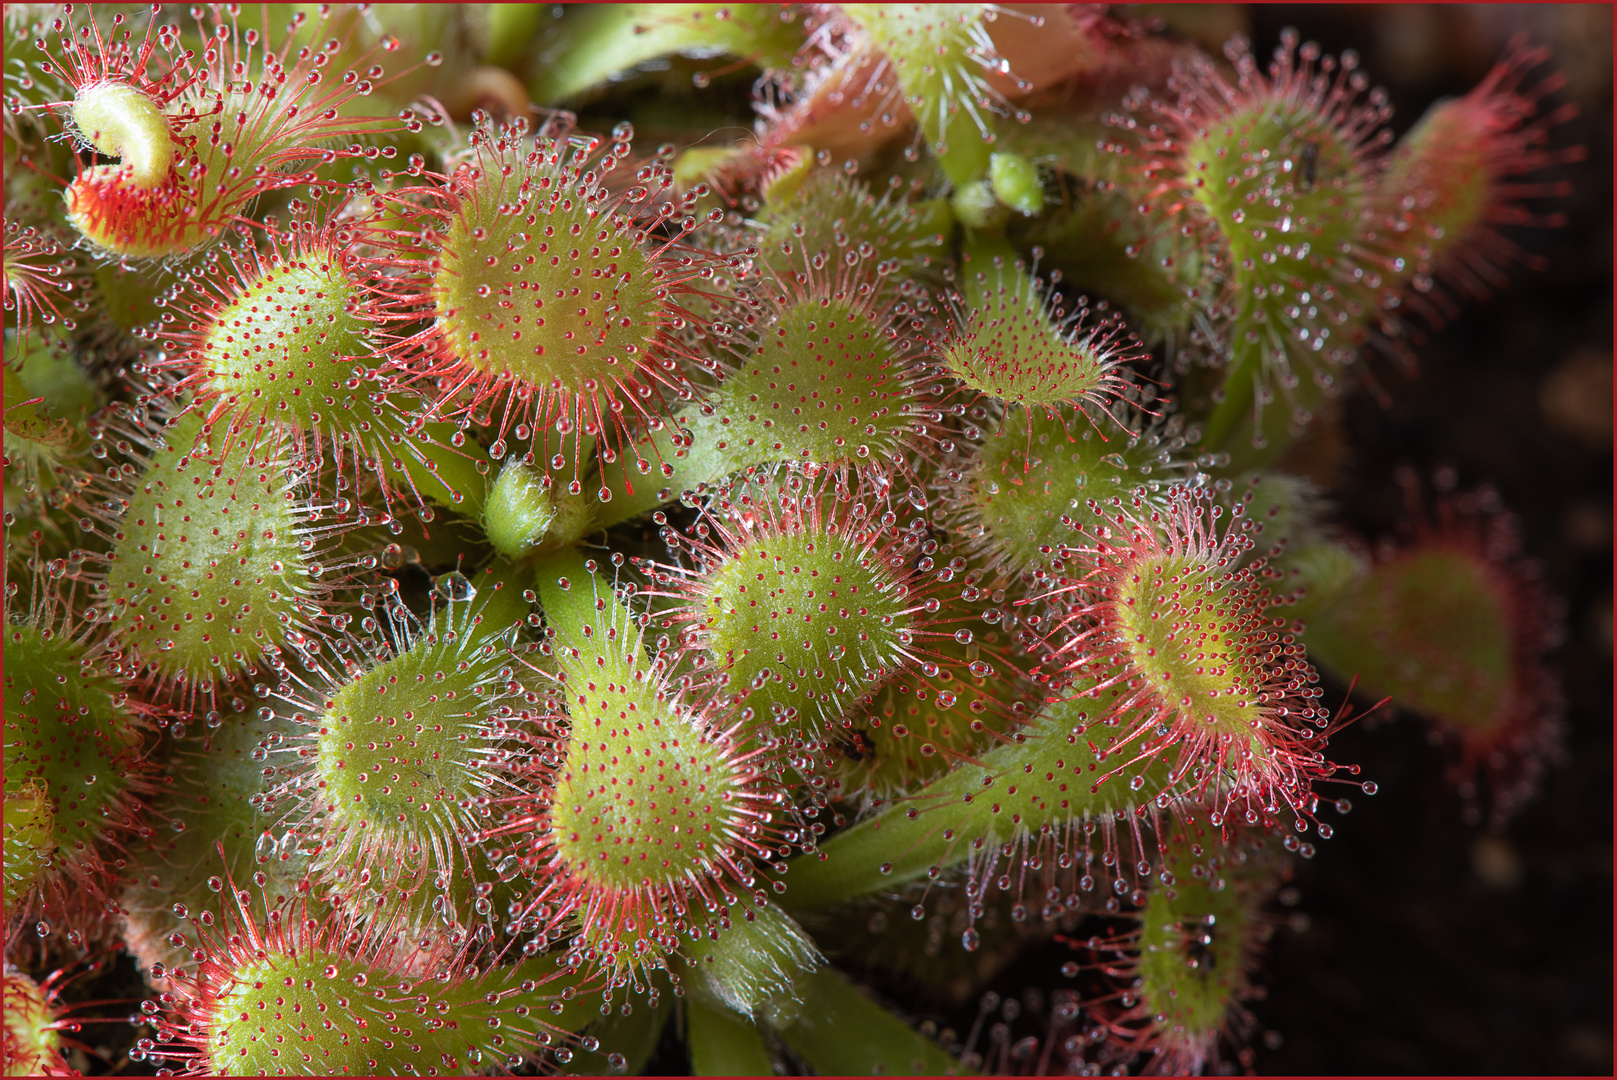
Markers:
point(40, 1018)
point(32, 1035)
point(279, 341)
point(39, 278)
point(198, 143)
point(658, 805)
point(1179, 984)
point(736, 177)
point(559, 287)
point(49, 397)
point(1056, 820)
point(119, 109)
point(755, 955)
point(829, 374)
point(830, 214)
point(824, 373)
point(1180, 653)
point(633, 854)
point(915, 728)
point(850, 99)
point(210, 820)
point(1051, 815)
point(935, 59)
point(30, 841)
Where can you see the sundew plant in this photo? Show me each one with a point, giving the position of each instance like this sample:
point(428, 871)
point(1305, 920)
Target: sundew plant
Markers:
point(506, 575)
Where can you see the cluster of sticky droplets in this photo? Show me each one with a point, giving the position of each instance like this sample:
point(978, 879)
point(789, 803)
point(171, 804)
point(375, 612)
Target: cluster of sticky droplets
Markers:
point(207, 573)
point(1177, 643)
point(305, 996)
point(1034, 480)
point(1011, 341)
point(183, 177)
point(557, 297)
point(75, 764)
point(285, 343)
point(830, 378)
point(652, 808)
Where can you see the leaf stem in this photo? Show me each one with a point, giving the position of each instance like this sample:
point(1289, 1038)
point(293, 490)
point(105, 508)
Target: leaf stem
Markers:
point(723, 1042)
point(841, 1032)
point(1051, 772)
